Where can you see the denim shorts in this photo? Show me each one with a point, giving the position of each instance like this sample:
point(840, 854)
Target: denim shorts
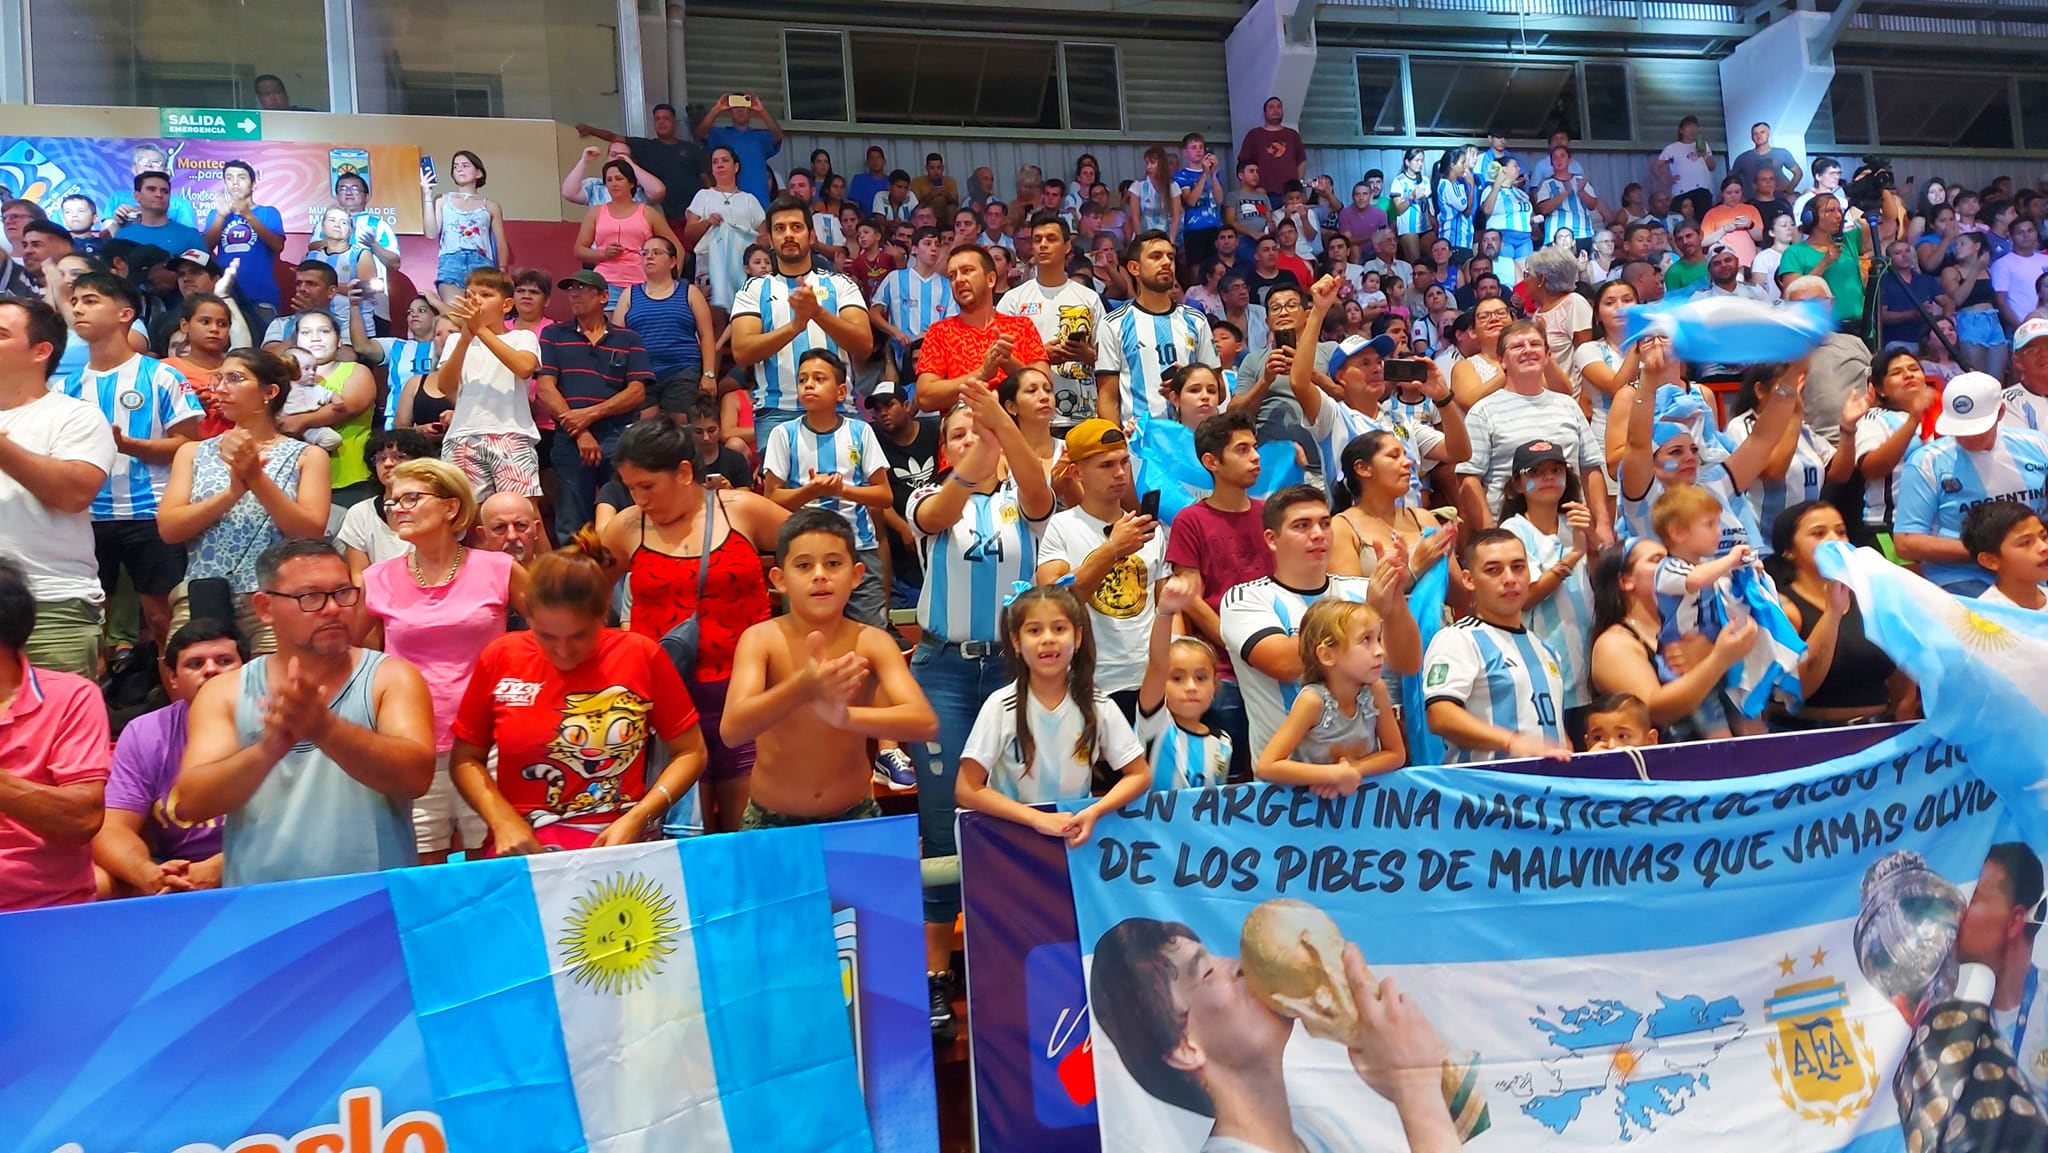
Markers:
point(1979, 326)
point(454, 267)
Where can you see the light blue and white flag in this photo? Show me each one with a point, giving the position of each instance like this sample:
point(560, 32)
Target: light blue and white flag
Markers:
point(1772, 666)
point(645, 999)
point(1426, 603)
point(1164, 460)
point(1982, 669)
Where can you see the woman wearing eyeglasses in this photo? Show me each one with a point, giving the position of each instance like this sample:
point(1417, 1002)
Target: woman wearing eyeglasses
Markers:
point(236, 494)
point(438, 606)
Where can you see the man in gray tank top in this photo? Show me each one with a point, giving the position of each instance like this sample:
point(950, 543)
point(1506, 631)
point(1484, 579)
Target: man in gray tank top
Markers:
point(316, 752)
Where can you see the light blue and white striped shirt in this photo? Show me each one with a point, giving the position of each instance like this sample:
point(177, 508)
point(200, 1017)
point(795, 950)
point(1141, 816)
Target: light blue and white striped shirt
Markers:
point(1801, 483)
point(144, 398)
point(1506, 677)
point(1564, 620)
point(1414, 189)
point(915, 302)
point(1512, 211)
point(1941, 481)
point(969, 568)
point(1180, 759)
point(768, 298)
point(1738, 522)
point(1454, 213)
point(406, 360)
point(1337, 425)
point(1139, 346)
point(795, 450)
point(1571, 212)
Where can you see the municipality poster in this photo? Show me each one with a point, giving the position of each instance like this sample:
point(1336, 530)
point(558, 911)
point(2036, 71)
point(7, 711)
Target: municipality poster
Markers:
point(1608, 965)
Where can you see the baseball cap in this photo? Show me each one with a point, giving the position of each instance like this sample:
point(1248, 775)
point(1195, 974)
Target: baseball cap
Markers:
point(1969, 405)
point(196, 257)
point(1351, 346)
point(1093, 438)
point(1534, 453)
point(584, 279)
point(886, 390)
point(2028, 332)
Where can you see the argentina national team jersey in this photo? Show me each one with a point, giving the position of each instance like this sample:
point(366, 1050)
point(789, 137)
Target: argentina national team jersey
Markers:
point(1139, 347)
point(1802, 480)
point(2025, 409)
point(1058, 770)
point(1512, 211)
point(768, 298)
point(1570, 213)
point(1942, 481)
point(1738, 521)
point(406, 361)
point(1507, 678)
point(795, 450)
point(144, 398)
point(1454, 213)
point(1415, 190)
point(1255, 610)
point(970, 567)
point(1180, 759)
point(1337, 425)
point(1564, 619)
point(915, 302)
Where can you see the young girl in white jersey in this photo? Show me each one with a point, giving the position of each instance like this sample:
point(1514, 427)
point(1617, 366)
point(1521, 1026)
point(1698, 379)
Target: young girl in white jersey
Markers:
point(1179, 686)
point(1037, 740)
point(1342, 728)
point(1542, 505)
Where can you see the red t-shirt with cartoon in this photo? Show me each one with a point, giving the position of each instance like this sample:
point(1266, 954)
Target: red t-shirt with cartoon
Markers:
point(572, 745)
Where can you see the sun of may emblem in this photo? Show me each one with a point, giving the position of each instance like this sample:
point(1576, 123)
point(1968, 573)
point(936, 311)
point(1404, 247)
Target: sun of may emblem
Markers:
point(619, 934)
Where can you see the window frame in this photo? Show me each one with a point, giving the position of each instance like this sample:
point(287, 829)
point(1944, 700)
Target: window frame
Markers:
point(1410, 135)
point(2015, 115)
point(853, 123)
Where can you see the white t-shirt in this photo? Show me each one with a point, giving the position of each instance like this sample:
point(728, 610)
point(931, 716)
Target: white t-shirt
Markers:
point(722, 250)
point(1569, 315)
point(1688, 171)
point(491, 399)
point(2014, 275)
point(54, 549)
point(1057, 772)
point(1256, 610)
point(1998, 598)
point(1121, 610)
point(1072, 309)
point(1764, 271)
point(366, 532)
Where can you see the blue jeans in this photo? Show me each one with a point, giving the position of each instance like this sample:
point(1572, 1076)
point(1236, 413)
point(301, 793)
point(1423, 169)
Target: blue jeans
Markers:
point(767, 420)
point(956, 686)
point(577, 483)
point(1226, 712)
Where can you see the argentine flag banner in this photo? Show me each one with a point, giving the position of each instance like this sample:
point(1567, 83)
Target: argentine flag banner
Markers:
point(667, 997)
point(1843, 956)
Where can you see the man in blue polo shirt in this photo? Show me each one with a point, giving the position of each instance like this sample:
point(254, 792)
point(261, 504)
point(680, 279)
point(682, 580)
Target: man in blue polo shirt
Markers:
point(593, 378)
point(1972, 460)
point(152, 223)
point(754, 145)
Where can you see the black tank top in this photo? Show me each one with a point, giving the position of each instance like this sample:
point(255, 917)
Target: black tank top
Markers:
point(428, 408)
point(1856, 678)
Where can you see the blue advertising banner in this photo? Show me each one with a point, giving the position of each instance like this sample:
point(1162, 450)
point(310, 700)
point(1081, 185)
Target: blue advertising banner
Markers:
point(704, 994)
point(1698, 965)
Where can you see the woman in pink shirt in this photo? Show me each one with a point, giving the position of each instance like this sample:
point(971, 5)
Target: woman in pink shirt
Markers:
point(437, 607)
point(613, 232)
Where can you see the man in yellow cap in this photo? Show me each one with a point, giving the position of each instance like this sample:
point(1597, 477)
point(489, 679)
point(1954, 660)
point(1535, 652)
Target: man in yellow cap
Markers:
point(1115, 556)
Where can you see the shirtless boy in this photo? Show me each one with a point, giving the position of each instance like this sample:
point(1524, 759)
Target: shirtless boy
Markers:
point(812, 687)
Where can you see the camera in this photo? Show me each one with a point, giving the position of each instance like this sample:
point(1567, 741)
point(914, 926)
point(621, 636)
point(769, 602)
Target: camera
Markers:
point(1868, 189)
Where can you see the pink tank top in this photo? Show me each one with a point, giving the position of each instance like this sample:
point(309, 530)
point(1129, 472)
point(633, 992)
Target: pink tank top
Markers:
point(442, 629)
point(629, 233)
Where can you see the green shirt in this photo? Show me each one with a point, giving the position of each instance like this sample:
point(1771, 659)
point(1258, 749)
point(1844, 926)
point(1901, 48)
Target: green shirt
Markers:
point(1683, 274)
point(1844, 276)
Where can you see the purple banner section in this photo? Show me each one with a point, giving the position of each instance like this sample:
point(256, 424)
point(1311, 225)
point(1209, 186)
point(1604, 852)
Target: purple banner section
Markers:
point(1034, 1075)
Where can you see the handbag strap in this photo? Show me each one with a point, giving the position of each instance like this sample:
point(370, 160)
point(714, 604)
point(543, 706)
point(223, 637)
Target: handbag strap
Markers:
point(712, 504)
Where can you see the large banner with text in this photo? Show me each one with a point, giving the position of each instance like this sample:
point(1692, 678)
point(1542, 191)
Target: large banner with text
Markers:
point(1604, 964)
point(722, 993)
point(297, 178)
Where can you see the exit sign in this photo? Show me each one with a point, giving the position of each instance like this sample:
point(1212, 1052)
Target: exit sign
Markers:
point(212, 123)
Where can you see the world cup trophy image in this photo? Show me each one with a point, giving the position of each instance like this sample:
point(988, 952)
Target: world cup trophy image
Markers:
point(1293, 958)
point(1906, 931)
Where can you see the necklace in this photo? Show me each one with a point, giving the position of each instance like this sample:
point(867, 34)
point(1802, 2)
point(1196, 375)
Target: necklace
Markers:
point(412, 564)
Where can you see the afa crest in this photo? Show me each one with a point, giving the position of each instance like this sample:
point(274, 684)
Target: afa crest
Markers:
point(1823, 1066)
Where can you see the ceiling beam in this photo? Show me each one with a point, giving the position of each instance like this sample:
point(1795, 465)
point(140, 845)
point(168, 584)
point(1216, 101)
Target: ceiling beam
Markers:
point(1822, 49)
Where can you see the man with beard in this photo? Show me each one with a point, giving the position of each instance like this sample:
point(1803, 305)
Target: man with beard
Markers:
point(1151, 334)
point(776, 319)
point(316, 752)
point(978, 342)
point(506, 522)
point(1066, 313)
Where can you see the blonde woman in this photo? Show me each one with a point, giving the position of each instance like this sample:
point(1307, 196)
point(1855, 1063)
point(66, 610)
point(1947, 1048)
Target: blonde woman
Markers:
point(437, 607)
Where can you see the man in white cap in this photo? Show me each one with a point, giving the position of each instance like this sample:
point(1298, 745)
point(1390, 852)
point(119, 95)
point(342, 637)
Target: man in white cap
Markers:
point(2026, 403)
point(1973, 459)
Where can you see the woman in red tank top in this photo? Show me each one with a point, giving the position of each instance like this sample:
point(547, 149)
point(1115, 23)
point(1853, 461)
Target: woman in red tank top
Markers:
point(661, 541)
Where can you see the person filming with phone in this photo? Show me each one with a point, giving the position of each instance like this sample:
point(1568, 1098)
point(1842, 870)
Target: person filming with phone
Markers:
point(754, 144)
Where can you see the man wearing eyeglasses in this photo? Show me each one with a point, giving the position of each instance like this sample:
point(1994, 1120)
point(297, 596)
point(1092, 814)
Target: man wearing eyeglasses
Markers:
point(315, 753)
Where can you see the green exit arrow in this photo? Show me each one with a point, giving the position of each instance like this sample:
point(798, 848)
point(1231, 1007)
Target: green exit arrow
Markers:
point(211, 123)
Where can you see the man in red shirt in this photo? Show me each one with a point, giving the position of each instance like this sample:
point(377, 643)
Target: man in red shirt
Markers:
point(54, 761)
point(979, 343)
point(1275, 148)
